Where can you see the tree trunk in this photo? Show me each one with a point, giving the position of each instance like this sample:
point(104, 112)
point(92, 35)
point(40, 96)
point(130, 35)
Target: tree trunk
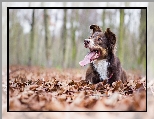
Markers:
point(31, 49)
point(103, 19)
point(74, 20)
point(142, 49)
point(121, 36)
point(63, 37)
point(47, 38)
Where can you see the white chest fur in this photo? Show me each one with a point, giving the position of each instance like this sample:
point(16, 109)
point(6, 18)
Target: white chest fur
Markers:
point(101, 68)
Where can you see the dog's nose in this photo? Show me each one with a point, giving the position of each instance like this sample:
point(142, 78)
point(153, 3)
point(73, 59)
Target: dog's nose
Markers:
point(86, 41)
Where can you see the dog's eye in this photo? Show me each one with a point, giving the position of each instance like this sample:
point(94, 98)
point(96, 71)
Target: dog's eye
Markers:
point(99, 39)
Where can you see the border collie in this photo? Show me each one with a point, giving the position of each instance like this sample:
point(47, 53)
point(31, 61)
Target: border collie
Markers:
point(104, 64)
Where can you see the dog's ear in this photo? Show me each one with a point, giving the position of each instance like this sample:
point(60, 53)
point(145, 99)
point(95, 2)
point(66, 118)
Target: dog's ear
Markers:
point(110, 36)
point(95, 28)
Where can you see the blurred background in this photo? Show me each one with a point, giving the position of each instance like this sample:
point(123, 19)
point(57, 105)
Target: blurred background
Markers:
point(54, 37)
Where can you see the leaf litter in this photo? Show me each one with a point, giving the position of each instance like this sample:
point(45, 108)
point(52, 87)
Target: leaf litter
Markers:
point(43, 89)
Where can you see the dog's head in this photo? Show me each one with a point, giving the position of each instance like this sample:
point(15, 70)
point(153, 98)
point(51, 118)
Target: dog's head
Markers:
point(100, 44)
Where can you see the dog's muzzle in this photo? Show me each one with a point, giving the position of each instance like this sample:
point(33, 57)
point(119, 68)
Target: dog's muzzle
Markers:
point(86, 42)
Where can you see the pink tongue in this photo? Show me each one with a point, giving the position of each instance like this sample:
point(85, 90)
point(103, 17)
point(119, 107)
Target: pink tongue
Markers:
point(87, 58)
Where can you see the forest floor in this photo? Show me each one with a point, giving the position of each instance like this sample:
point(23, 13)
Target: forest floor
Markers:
point(42, 89)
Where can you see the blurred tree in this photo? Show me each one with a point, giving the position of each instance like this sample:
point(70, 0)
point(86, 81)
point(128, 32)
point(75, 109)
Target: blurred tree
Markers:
point(54, 29)
point(121, 35)
point(16, 38)
point(85, 21)
point(63, 37)
point(74, 26)
point(142, 41)
point(13, 21)
point(32, 38)
point(103, 19)
point(47, 37)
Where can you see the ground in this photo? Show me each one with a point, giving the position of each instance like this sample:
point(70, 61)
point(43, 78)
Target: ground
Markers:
point(42, 89)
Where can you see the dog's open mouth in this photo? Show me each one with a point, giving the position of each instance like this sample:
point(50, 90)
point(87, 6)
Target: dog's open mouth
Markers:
point(91, 56)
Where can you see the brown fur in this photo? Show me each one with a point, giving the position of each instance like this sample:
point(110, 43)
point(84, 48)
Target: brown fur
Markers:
point(105, 43)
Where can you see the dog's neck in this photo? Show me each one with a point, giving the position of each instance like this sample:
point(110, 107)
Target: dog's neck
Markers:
point(101, 66)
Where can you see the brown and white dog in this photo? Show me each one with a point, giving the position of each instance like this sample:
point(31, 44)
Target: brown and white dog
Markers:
point(104, 65)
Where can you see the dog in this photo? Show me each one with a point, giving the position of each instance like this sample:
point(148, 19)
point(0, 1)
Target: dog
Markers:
point(104, 64)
